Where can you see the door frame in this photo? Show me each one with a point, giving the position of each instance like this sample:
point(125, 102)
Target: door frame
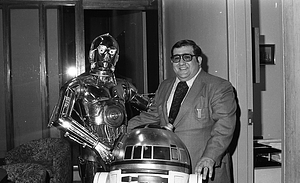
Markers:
point(240, 75)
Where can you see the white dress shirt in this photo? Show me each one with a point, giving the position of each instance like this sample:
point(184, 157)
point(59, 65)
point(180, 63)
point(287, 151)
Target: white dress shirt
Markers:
point(189, 83)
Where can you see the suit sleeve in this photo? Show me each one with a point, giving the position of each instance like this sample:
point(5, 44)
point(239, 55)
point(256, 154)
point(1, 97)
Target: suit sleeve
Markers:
point(223, 113)
point(145, 117)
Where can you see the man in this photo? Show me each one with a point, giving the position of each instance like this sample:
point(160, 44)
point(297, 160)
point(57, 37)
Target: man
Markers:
point(207, 116)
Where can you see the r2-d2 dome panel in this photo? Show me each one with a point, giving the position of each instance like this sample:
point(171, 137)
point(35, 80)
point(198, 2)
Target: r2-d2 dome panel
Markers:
point(151, 149)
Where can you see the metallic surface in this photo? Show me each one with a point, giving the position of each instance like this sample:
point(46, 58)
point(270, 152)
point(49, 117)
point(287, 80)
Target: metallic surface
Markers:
point(151, 149)
point(91, 107)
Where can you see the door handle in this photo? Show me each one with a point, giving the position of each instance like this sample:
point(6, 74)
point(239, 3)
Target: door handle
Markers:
point(250, 117)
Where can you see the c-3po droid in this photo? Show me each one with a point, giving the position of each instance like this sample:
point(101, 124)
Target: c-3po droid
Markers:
point(149, 154)
point(91, 108)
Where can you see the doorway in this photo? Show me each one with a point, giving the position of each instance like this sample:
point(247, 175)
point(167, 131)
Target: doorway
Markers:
point(137, 34)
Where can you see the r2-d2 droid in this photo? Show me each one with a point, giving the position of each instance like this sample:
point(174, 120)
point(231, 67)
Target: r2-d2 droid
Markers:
point(149, 154)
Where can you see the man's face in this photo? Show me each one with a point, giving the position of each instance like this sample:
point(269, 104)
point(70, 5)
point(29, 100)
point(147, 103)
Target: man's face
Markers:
point(186, 70)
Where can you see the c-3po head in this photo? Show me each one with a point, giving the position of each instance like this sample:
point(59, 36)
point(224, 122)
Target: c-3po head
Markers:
point(104, 53)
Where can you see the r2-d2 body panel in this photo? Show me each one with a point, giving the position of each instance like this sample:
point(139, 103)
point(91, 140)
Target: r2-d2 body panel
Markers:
point(149, 154)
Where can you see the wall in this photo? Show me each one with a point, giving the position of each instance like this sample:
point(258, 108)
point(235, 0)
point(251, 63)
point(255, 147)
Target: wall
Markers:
point(205, 23)
point(268, 94)
point(291, 43)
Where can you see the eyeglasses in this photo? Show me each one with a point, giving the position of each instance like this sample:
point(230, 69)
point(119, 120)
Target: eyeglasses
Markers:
point(186, 57)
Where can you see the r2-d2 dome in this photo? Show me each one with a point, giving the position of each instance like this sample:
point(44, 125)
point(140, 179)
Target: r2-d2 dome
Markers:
point(149, 154)
point(151, 149)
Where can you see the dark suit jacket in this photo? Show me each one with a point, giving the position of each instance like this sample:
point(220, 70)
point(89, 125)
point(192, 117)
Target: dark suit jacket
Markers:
point(205, 122)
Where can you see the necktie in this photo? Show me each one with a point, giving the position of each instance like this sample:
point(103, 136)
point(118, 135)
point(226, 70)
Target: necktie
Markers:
point(179, 94)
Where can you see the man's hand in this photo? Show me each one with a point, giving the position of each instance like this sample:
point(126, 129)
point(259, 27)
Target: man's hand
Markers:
point(205, 166)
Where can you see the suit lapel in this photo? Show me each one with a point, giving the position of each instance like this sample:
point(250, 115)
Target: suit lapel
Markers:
point(189, 101)
point(168, 87)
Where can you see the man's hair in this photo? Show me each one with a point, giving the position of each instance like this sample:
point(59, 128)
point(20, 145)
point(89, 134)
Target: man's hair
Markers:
point(187, 42)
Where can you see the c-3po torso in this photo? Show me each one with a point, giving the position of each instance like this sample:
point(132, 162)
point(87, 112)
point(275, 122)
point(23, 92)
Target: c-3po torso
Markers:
point(91, 110)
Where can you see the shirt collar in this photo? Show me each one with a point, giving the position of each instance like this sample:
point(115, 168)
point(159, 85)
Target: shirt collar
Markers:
point(189, 82)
